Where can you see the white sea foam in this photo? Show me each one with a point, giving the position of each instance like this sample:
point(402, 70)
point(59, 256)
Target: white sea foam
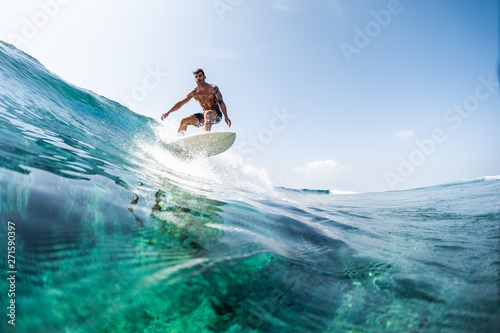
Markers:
point(337, 192)
point(480, 179)
point(228, 170)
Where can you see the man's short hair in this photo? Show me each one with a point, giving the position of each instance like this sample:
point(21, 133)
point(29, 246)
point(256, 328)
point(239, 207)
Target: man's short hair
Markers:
point(199, 70)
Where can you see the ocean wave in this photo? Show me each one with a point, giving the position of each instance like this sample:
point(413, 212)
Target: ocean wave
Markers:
point(467, 181)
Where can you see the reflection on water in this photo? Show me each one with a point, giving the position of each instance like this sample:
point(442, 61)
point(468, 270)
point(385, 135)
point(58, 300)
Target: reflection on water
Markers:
point(182, 217)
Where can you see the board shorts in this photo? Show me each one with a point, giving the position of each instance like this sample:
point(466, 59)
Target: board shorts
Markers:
point(201, 118)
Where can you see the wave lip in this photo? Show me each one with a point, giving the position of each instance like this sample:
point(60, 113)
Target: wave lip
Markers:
point(339, 192)
point(315, 191)
point(481, 179)
point(304, 190)
point(468, 181)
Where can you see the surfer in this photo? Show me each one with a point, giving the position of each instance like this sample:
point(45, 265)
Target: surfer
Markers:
point(210, 99)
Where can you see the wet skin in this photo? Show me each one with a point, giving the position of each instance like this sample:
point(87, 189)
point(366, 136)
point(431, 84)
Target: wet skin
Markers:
point(210, 99)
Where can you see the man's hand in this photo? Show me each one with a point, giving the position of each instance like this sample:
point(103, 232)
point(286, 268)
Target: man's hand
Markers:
point(228, 122)
point(178, 105)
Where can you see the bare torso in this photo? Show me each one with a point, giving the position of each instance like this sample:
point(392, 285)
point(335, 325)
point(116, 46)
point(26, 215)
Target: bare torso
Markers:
point(206, 96)
point(210, 99)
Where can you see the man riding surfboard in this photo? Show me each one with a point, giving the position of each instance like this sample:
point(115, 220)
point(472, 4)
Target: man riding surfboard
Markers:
point(210, 99)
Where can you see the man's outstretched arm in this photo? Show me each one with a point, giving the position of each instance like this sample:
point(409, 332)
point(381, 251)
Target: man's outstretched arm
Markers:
point(177, 106)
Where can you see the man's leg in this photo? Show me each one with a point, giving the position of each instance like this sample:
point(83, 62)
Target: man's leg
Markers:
point(210, 116)
point(185, 122)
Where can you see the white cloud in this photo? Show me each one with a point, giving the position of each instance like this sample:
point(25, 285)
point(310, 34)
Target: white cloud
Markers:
point(403, 134)
point(320, 174)
point(320, 168)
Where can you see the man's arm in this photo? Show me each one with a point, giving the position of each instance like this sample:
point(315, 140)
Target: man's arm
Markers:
point(218, 98)
point(177, 105)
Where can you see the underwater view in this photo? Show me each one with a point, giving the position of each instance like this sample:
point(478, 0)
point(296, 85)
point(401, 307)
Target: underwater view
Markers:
point(103, 230)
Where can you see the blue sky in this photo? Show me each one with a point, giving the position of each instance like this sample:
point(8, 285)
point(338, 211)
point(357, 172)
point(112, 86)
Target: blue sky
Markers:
point(331, 94)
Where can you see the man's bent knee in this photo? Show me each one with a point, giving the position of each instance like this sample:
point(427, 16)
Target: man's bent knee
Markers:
point(191, 120)
point(210, 115)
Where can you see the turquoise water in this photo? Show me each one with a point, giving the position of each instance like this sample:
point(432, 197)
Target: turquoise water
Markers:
point(115, 235)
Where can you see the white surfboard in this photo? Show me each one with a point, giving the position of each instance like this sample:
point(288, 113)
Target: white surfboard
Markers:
point(202, 145)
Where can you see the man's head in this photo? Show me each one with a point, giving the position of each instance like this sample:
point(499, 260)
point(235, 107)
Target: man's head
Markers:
point(199, 75)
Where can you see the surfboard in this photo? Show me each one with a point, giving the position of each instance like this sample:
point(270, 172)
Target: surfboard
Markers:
point(202, 145)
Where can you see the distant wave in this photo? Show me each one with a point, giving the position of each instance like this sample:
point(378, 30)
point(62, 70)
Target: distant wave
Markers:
point(481, 179)
point(456, 183)
point(305, 190)
point(468, 181)
point(338, 192)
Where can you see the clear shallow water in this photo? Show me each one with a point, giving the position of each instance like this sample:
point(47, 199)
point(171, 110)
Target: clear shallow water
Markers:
point(115, 235)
